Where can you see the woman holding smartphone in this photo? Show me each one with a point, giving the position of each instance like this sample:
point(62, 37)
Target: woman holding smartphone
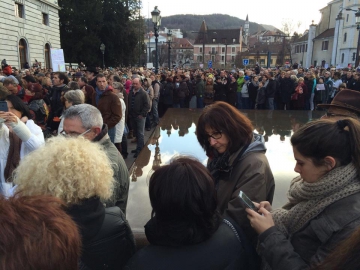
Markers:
point(324, 201)
point(237, 161)
point(19, 135)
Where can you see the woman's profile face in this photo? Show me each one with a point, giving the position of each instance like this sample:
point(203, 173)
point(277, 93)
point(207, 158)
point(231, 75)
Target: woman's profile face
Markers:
point(13, 110)
point(307, 169)
point(218, 140)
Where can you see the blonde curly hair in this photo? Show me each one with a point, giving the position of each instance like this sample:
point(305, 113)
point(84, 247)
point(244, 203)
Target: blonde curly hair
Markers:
point(71, 169)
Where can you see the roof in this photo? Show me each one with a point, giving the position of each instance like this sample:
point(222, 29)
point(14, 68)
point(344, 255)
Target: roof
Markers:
point(181, 43)
point(262, 48)
point(326, 34)
point(219, 36)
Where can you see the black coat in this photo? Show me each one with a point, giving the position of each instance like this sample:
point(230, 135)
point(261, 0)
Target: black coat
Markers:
point(168, 93)
point(222, 251)
point(287, 88)
point(220, 91)
point(271, 88)
point(107, 240)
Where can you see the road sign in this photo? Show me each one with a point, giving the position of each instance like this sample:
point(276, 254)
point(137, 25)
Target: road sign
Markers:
point(210, 64)
point(245, 62)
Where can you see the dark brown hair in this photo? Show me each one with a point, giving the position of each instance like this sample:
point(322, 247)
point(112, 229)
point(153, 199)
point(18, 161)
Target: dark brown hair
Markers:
point(36, 233)
point(183, 198)
point(345, 255)
point(223, 117)
point(338, 139)
point(62, 76)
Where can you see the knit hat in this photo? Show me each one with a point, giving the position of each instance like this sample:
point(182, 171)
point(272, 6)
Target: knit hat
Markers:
point(7, 70)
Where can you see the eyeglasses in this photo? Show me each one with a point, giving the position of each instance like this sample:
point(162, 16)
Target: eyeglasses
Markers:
point(216, 135)
point(73, 134)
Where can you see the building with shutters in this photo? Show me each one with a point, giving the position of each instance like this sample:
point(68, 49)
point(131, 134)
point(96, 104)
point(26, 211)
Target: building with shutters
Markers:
point(28, 30)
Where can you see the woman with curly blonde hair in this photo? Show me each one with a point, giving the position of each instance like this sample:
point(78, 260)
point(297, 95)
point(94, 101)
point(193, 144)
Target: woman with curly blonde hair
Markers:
point(79, 172)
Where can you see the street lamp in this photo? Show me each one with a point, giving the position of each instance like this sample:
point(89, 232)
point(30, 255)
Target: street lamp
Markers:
point(156, 19)
point(102, 49)
point(169, 35)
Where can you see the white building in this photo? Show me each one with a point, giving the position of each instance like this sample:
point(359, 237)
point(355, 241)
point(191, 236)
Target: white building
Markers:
point(28, 30)
point(334, 40)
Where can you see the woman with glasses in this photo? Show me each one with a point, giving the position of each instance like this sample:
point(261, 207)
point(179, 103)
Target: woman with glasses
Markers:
point(237, 161)
point(323, 201)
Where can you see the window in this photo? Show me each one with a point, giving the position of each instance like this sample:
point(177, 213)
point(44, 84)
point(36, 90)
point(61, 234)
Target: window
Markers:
point(234, 40)
point(345, 36)
point(233, 49)
point(222, 58)
point(201, 49)
point(325, 45)
point(47, 55)
point(232, 58)
point(212, 50)
point(19, 10)
point(213, 58)
point(347, 17)
point(45, 19)
point(214, 40)
point(342, 58)
point(199, 58)
point(22, 52)
point(222, 49)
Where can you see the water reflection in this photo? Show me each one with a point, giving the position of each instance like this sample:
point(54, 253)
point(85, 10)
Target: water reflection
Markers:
point(175, 135)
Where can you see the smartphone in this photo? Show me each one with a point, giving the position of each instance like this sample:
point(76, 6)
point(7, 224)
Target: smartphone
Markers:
point(247, 202)
point(3, 106)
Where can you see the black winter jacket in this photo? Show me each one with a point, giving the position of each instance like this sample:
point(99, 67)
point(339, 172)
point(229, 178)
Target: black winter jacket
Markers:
point(107, 240)
point(222, 251)
point(316, 240)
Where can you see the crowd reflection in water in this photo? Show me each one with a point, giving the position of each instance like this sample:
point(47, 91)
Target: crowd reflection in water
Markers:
point(180, 121)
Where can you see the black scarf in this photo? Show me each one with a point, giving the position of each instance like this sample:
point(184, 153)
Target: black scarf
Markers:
point(221, 164)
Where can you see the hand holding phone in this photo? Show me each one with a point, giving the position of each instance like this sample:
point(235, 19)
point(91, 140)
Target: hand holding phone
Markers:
point(247, 202)
point(3, 106)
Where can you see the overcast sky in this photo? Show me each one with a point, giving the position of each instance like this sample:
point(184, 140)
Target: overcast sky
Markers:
point(260, 11)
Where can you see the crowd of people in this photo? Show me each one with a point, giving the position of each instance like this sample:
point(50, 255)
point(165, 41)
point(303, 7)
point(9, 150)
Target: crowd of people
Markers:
point(64, 183)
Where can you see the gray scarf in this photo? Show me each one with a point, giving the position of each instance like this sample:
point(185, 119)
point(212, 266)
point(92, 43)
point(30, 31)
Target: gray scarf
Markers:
point(308, 200)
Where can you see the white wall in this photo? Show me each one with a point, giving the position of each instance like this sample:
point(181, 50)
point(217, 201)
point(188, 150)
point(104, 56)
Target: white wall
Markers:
point(31, 28)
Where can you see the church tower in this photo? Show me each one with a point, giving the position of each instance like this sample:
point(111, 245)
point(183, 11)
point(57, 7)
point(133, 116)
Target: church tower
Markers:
point(246, 31)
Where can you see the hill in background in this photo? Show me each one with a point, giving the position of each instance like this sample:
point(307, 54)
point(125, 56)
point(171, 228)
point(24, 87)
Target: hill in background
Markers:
point(189, 22)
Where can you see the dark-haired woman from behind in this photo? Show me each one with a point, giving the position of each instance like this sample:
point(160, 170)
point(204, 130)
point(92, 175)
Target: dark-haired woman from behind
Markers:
point(237, 161)
point(186, 231)
point(19, 135)
point(323, 202)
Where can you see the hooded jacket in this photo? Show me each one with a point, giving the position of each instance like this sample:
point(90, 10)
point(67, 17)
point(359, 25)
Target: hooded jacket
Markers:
point(251, 174)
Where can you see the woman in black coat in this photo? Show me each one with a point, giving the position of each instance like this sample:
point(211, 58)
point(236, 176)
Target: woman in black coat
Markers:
point(186, 231)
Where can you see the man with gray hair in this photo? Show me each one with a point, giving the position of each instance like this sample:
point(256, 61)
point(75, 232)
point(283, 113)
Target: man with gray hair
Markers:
point(86, 120)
